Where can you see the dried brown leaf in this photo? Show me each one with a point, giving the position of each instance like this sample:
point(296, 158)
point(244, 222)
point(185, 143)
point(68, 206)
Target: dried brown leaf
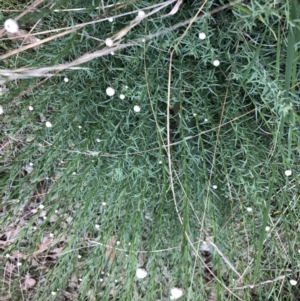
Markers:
point(110, 252)
point(9, 267)
point(29, 282)
point(23, 37)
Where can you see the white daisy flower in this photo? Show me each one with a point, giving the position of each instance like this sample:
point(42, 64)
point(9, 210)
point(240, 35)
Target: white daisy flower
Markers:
point(110, 91)
point(48, 124)
point(137, 108)
point(288, 172)
point(11, 26)
point(176, 293)
point(141, 273)
point(141, 14)
point(202, 36)
point(216, 63)
point(122, 96)
point(109, 42)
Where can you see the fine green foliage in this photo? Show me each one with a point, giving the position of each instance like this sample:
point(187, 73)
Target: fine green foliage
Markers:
point(189, 171)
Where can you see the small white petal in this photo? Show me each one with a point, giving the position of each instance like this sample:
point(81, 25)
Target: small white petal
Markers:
point(104, 203)
point(293, 282)
point(1, 110)
point(98, 140)
point(80, 127)
point(48, 124)
point(66, 79)
point(216, 63)
point(205, 120)
point(41, 206)
point(288, 172)
point(112, 53)
point(7, 255)
point(215, 187)
point(249, 209)
point(143, 40)
point(194, 114)
point(97, 226)
point(110, 19)
point(141, 273)
point(118, 242)
point(11, 26)
point(176, 293)
point(267, 228)
point(122, 96)
point(109, 42)
point(110, 91)
point(137, 108)
point(79, 256)
point(30, 108)
point(53, 293)
point(202, 36)
point(19, 264)
point(51, 234)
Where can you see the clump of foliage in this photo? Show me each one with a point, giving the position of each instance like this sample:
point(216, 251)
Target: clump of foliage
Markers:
point(149, 150)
